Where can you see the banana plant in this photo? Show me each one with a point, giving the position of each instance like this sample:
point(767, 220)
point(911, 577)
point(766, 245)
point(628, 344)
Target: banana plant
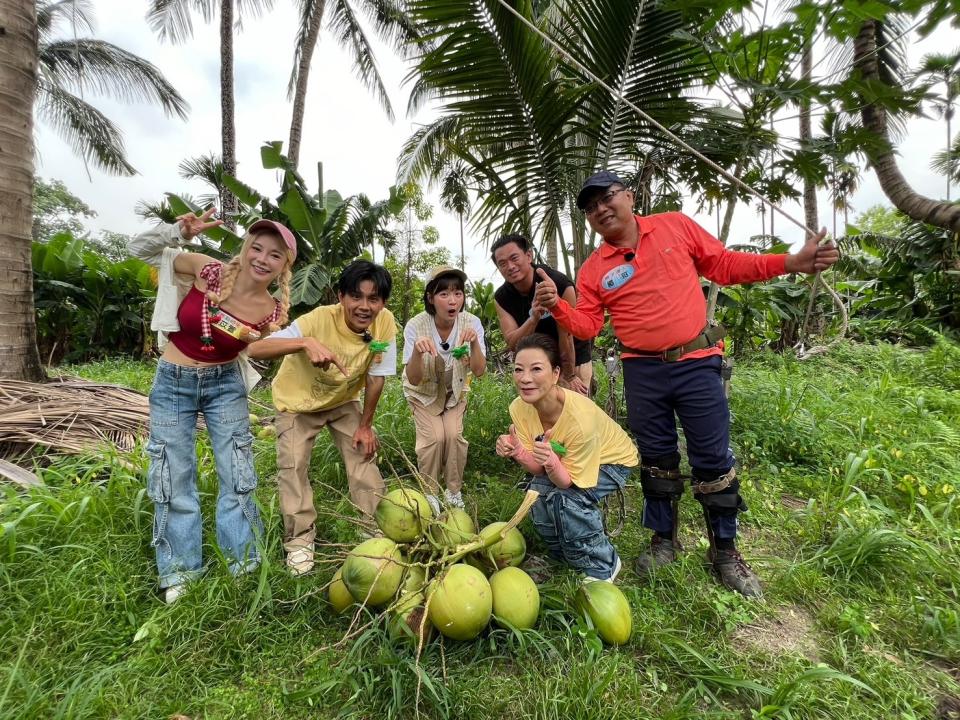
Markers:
point(331, 230)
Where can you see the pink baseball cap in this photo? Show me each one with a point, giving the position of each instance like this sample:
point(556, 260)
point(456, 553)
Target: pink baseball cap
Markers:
point(281, 230)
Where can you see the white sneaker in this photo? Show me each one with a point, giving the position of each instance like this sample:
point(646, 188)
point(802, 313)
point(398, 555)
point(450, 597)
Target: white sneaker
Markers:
point(616, 571)
point(434, 503)
point(173, 593)
point(300, 561)
point(453, 499)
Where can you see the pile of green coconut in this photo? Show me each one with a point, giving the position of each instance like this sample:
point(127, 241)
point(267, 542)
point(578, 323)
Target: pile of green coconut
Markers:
point(430, 574)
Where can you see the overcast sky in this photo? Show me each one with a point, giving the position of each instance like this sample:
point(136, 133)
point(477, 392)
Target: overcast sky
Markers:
point(344, 126)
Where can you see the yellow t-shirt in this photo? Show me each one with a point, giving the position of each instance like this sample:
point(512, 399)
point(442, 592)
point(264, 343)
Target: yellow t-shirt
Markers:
point(591, 438)
point(301, 387)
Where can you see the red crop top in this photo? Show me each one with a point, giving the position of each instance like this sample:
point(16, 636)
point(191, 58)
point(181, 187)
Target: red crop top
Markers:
point(188, 339)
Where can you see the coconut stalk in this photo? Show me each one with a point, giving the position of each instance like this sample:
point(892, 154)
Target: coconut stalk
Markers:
point(462, 551)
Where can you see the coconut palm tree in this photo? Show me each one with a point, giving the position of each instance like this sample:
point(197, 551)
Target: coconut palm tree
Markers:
point(943, 68)
point(881, 154)
point(70, 67)
point(172, 21)
point(455, 197)
point(390, 23)
point(18, 80)
point(528, 124)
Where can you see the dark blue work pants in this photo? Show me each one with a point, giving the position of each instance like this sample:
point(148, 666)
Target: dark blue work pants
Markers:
point(692, 390)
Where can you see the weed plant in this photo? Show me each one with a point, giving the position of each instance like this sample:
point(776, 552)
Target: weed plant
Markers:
point(850, 465)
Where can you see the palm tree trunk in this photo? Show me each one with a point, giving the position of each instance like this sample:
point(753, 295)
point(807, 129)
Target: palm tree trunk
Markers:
point(228, 130)
point(810, 213)
point(894, 185)
point(463, 252)
point(18, 79)
point(303, 75)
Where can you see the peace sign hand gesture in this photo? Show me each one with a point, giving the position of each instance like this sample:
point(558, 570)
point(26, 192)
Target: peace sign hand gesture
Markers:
point(192, 224)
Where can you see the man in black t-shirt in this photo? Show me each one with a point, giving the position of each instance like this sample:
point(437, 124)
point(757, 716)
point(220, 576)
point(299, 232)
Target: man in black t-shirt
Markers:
point(513, 257)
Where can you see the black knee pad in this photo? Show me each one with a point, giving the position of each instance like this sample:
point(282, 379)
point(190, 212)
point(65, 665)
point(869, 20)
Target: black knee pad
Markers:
point(660, 477)
point(718, 493)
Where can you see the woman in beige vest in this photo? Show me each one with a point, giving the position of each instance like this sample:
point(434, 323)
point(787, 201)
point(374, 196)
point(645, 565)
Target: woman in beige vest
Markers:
point(441, 346)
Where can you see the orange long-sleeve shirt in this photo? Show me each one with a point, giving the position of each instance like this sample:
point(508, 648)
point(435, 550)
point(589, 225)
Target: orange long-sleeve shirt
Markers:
point(654, 299)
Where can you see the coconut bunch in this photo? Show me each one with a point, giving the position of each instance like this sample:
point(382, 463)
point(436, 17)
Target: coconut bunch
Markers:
point(431, 574)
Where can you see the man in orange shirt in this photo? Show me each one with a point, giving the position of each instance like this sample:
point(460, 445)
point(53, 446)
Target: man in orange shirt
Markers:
point(646, 274)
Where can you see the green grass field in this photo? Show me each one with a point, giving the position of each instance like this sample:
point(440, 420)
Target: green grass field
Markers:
point(851, 468)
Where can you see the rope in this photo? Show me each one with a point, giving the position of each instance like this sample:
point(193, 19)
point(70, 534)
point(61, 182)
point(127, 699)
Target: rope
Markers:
point(801, 350)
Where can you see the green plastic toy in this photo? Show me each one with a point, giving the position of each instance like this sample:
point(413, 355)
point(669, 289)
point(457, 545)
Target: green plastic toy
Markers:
point(558, 448)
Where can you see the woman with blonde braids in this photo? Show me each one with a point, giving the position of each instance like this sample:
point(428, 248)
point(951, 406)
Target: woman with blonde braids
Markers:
point(207, 312)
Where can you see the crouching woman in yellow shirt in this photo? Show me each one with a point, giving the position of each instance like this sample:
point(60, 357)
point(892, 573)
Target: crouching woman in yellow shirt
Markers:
point(576, 454)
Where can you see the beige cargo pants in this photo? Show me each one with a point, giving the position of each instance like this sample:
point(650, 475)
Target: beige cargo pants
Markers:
point(296, 433)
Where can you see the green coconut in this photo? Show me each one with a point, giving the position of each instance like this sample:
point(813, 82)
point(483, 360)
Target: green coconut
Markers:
point(516, 599)
point(608, 610)
point(403, 514)
point(340, 597)
point(408, 620)
point(454, 527)
point(498, 554)
point(373, 571)
point(460, 602)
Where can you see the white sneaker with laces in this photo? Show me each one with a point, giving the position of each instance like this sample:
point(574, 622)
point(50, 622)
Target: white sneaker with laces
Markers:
point(300, 561)
point(173, 593)
point(434, 503)
point(453, 499)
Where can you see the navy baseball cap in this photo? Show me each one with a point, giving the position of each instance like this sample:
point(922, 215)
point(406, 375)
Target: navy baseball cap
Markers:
point(600, 180)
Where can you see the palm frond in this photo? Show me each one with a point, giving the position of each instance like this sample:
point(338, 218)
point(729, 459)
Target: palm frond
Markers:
point(172, 20)
point(103, 68)
point(75, 14)
point(88, 131)
point(393, 25)
point(208, 168)
point(348, 32)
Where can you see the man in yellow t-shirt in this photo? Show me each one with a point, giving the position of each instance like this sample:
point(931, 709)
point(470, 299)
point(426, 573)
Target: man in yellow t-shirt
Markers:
point(330, 355)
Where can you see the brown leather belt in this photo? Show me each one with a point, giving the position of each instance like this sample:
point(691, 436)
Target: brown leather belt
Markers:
point(708, 337)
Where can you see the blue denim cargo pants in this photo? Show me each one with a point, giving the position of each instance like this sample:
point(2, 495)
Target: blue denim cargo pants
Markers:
point(571, 524)
point(178, 394)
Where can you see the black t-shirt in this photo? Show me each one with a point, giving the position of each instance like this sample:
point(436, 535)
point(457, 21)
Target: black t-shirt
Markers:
point(518, 307)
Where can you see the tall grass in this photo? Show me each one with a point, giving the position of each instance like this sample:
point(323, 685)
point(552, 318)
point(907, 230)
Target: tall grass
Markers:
point(847, 461)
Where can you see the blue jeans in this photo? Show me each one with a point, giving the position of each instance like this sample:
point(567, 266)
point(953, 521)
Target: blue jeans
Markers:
point(657, 394)
point(178, 394)
point(571, 524)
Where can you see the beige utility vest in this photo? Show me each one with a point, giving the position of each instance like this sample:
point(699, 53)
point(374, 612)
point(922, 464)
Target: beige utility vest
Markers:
point(432, 390)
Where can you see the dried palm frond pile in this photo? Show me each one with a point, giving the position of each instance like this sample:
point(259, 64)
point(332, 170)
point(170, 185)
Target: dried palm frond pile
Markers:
point(69, 415)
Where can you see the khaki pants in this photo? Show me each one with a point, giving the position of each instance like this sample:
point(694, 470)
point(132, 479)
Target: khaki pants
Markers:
point(296, 433)
point(441, 447)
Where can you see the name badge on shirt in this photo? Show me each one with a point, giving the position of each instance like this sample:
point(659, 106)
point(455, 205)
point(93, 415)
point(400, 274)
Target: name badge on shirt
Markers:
point(228, 324)
point(617, 277)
